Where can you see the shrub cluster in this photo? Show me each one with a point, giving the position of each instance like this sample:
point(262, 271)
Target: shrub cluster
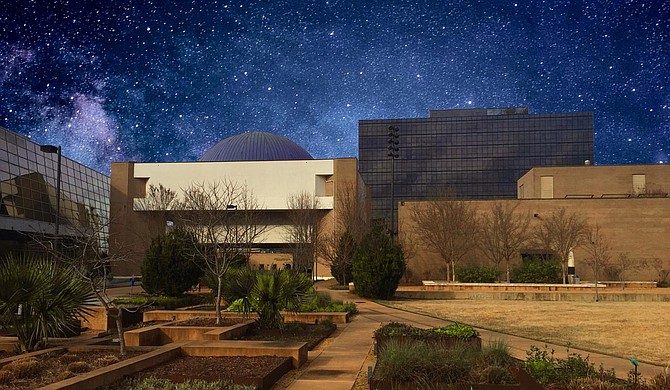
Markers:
point(536, 271)
point(168, 268)
point(422, 364)
point(378, 265)
point(457, 331)
point(322, 302)
point(477, 274)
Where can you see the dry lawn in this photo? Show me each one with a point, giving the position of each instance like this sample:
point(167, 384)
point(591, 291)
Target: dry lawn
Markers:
point(625, 329)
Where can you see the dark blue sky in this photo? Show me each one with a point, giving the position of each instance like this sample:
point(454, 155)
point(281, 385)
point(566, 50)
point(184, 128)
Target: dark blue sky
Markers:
point(165, 80)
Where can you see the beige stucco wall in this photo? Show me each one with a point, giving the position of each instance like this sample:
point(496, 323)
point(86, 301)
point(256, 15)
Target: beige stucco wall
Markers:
point(639, 226)
point(271, 182)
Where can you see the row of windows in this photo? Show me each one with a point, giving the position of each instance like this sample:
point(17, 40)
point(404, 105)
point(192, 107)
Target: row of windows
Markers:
point(442, 126)
point(28, 185)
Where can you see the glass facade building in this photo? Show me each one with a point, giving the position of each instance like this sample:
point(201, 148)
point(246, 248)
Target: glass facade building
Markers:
point(468, 153)
point(28, 195)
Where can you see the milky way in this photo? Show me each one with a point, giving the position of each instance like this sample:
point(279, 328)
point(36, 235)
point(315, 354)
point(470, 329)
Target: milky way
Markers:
point(163, 81)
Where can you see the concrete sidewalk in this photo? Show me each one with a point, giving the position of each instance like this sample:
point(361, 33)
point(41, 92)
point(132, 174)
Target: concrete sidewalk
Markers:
point(338, 364)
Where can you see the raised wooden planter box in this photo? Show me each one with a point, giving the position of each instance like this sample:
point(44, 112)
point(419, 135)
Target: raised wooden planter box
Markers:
point(297, 351)
point(169, 333)
point(261, 383)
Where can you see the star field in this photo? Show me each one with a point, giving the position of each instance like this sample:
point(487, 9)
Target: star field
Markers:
point(164, 81)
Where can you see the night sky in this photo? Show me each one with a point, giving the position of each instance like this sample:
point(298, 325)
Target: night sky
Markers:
point(165, 80)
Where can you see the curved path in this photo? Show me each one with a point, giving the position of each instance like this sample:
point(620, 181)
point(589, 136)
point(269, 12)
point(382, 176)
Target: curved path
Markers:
point(338, 364)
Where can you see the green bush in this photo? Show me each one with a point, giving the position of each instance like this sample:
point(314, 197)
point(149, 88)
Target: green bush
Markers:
point(547, 369)
point(477, 274)
point(457, 331)
point(168, 268)
point(536, 271)
point(378, 265)
point(49, 297)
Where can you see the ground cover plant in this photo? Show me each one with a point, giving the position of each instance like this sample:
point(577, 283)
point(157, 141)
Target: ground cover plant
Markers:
point(622, 329)
point(578, 373)
point(427, 365)
point(322, 302)
point(41, 370)
point(152, 383)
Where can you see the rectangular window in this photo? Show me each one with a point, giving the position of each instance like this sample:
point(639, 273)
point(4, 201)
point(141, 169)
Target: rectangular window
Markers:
point(547, 187)
point(639, 184)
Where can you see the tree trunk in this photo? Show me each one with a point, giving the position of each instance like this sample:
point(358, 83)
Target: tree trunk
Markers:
point(507, 271)
point(119, 330)
point(453, 271)
point(564, 271)
point(217, 304)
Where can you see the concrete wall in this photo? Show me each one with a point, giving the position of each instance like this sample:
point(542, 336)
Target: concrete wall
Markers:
point(607, 180)
point(639, 226)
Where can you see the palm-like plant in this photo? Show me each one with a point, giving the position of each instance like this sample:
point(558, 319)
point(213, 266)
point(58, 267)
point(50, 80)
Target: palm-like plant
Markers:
point(40, 299)
point(276, 291)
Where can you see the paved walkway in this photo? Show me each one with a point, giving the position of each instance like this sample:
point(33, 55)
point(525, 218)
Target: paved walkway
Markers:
point(338, 364)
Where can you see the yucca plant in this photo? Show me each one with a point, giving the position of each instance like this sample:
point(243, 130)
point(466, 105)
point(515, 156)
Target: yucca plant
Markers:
point(40, 299)
point(276, 291)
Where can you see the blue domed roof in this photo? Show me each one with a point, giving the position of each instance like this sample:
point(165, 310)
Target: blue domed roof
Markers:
point(255, 146)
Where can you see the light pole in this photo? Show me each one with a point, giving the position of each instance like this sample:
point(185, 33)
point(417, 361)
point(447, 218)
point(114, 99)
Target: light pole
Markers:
point(393, 149)
point(56, 150)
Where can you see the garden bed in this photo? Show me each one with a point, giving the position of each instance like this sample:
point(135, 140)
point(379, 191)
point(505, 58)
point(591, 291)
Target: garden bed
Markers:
point(259, 371)
point(37, 371)
point(293, 331)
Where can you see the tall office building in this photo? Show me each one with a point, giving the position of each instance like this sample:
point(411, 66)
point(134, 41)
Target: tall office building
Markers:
point(466, 153)
point(32, 209)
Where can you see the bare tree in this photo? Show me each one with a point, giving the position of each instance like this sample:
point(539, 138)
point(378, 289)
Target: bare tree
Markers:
point(503, 232)
point(598, 250)
point(449, 227)
point(225, 220)
point(304, 234)
point(351, 224)
point(560, 233)
point(622, 265)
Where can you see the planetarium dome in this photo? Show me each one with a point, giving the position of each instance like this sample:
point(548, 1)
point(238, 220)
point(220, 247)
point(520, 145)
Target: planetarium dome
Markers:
point(255, 146)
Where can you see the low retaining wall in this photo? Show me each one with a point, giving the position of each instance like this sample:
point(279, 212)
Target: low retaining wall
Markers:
point(590, 296)
point(164, 334)
point(297, 351)
point(307, 318)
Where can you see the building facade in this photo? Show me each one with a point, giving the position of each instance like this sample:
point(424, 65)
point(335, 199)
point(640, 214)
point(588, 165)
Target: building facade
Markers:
point(633, 218)
point(469, 153)
point(265, 175)
point(28, 192)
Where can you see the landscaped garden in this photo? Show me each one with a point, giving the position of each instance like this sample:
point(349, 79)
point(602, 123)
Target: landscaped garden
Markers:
point(452, 357)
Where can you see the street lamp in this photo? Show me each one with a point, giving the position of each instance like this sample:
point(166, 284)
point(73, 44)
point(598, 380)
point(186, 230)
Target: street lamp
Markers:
point(55, 150)
point(393, 149)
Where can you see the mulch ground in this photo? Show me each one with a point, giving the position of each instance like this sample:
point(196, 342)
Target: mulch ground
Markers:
point(216, 367)
point(39, 371)
point(208, 322)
